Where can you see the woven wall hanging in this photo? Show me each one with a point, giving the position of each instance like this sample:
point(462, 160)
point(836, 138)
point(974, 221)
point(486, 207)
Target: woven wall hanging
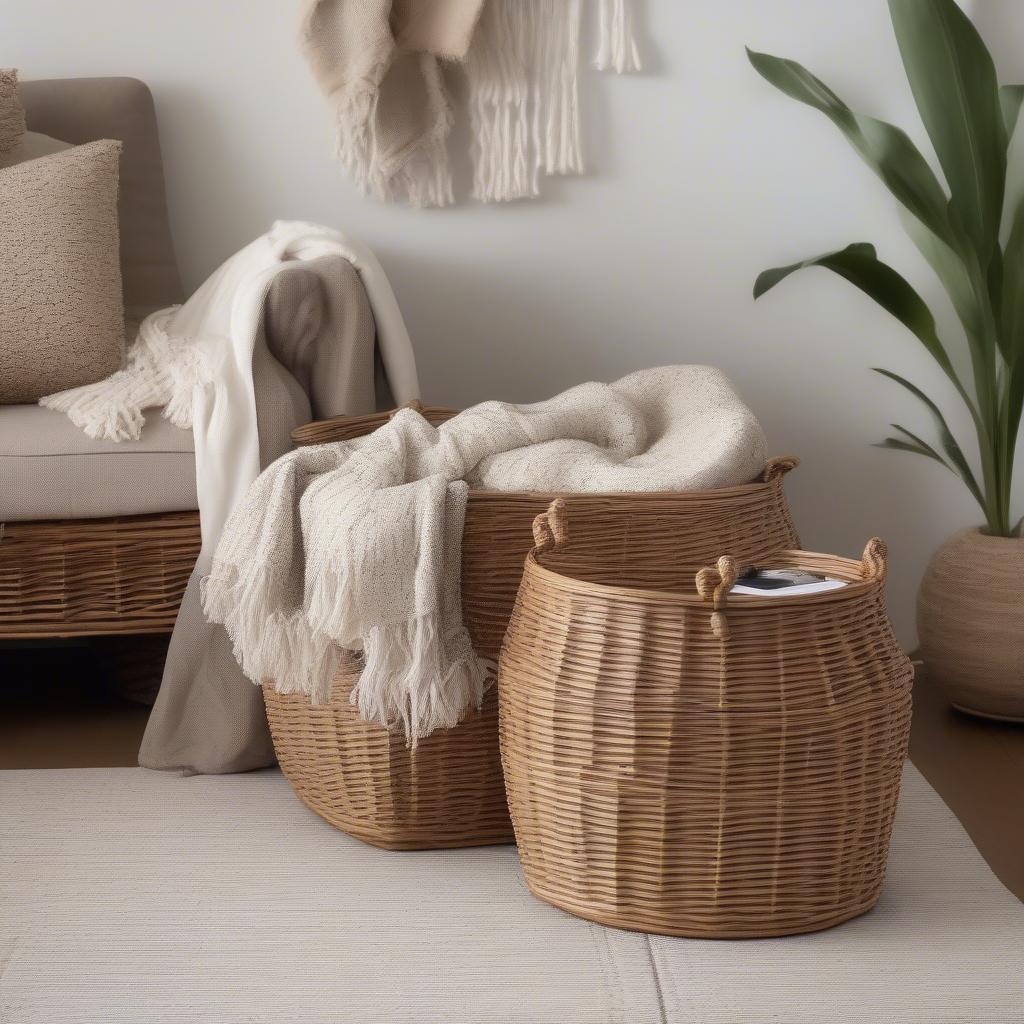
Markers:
point(383, 64)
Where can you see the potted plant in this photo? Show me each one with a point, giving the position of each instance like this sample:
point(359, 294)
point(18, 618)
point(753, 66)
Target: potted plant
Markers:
point(971, 231)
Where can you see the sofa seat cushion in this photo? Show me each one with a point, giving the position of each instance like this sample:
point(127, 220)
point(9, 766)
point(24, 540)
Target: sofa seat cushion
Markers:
point(49, 469)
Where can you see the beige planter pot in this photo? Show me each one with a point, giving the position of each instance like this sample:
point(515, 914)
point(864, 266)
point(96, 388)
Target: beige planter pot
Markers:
point(970, 619)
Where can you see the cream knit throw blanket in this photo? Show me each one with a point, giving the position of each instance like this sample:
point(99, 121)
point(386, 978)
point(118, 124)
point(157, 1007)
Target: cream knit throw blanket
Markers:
point(185, 356)
point(380, 63)
point(195, 361)
point(357, 545)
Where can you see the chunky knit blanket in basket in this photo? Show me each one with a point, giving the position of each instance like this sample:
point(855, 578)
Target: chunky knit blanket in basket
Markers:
point(356, 545)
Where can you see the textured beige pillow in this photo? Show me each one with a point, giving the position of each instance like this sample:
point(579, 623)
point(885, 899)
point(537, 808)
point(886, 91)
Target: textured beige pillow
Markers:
point(12, 115)
point(61, 310)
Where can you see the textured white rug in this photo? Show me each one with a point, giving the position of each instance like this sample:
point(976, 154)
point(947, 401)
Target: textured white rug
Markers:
point(126, 895)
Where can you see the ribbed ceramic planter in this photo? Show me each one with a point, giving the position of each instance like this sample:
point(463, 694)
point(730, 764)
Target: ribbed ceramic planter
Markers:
point(970, 619)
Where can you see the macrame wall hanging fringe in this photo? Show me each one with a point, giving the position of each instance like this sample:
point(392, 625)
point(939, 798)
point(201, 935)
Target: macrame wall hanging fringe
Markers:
point(617, 50)
point(524, 105)
point(381, 63)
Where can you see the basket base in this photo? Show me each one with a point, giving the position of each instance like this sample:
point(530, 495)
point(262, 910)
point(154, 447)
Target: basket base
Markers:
point(372, 834)
point(694, 931)
point(447, 793)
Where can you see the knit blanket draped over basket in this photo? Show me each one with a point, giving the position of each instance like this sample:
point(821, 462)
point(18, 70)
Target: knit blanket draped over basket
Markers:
point(356, 545)
point(380, 62)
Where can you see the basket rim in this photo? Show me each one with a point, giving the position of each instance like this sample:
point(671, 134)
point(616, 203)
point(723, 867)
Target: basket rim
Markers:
point(850, 569)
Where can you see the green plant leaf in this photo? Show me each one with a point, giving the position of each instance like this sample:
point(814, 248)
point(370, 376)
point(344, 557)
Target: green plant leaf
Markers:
point(1014, 172)
point(859, 265)
point(949, 443)
point(886, 149)
point(972, 307)
point(1014, 405)
point(953, 80)
point(896, 444)
point(950, 270)
point(1013, 330)
point(974, 129)
point(1012, 312)
point(916, 444)
point(1010, 99)
point(921, 447)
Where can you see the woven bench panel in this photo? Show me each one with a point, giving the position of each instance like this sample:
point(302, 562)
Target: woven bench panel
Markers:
point(84, 577)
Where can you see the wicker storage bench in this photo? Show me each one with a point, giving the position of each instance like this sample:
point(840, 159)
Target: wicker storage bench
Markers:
point(449, 791)
point(95, 577)
point(685, 763)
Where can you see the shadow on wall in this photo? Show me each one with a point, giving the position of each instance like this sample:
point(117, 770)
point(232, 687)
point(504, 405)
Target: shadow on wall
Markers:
point(1001, 25)
point(233, 219)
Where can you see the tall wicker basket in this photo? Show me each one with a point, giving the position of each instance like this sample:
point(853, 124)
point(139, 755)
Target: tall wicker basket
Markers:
point(449, 791)
point(689, 764)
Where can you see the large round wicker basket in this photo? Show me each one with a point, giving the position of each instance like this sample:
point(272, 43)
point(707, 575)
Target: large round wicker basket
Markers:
point(449, 791)
point(684, 763)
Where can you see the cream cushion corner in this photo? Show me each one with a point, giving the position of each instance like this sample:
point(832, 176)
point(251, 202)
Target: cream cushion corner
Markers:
point(12, 114)
point(61, 308)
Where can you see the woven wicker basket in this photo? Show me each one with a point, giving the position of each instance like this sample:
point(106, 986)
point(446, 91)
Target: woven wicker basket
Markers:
point(681, 763)
point(449, 791)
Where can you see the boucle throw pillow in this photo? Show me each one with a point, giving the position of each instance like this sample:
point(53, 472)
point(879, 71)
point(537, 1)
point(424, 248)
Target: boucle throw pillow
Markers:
point(61, 309)
point(12, 115)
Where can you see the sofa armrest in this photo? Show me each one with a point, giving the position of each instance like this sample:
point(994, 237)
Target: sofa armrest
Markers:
point(320, 327)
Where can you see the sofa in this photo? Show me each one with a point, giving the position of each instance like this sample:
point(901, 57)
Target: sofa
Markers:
point(98, 538)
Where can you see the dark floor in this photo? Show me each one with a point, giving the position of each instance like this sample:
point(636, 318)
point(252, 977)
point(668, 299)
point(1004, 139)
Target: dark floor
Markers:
point(977, 767)
point(59, 709)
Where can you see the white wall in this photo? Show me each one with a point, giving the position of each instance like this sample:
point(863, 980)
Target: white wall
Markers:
point(701, 175)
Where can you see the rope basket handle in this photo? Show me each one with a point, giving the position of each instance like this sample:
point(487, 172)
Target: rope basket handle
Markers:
point(551, 528)
point(875, 559)
point(713, 584)
point(414, 403)
point(778, 467)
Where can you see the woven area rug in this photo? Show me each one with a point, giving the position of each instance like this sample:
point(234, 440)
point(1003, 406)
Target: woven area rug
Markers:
point(126, 895)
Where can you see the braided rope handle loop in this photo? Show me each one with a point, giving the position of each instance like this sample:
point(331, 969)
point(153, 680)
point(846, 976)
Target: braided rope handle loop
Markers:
point(875, 559)
point(713, 585)
point(778, 467)
point(551, 528)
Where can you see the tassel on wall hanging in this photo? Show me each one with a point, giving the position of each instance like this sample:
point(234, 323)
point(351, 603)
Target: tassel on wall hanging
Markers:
point(381, 64)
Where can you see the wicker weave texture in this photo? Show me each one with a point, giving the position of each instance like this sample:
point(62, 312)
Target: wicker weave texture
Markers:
point(445, 793)
point(341, 766)
point(679, 768)
point(90, 577)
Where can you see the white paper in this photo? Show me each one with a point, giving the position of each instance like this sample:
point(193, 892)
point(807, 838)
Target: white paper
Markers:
point(805, 588)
